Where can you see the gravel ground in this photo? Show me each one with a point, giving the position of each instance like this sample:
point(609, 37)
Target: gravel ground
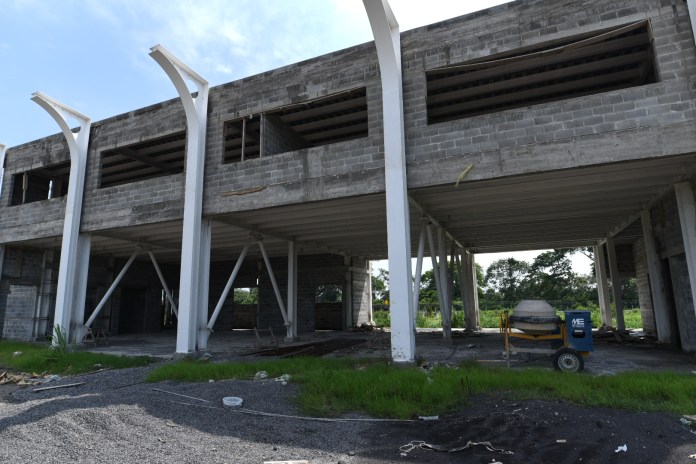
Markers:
point(115, 417)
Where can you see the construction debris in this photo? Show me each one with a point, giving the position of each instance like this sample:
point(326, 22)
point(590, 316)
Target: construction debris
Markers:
point(23, 379)
point(405, 449)
point(59, 386)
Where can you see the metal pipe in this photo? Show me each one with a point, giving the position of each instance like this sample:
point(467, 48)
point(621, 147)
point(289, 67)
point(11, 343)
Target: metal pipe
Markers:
point(228, 287)
point(274, 283)
point(164, 284)
point(111, 289)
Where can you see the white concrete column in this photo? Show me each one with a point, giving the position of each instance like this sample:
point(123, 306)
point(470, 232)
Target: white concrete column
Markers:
point(71, 255)
point(469, 287)
point(616, 284)
point(687, 219)
point(291, 330)
point(3, 149)
point(196, 109)
point(2, 260)
point(385, 30)
point(419, 270)
point(446, 307)
point(84, 243)
point(602, 285)
point(347, 301)
point(204, 285)
point(663, 319)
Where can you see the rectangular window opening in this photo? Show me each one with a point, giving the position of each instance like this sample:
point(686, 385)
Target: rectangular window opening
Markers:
point(40, 184)
point(582, 65)
point(314, 123)
point(248, 295)
point(329, 294)
point(159, 157)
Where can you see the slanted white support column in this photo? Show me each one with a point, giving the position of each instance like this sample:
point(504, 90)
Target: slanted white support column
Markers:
point(111, 289)
point(687, 219)
point(292, 334)
point(602, 285)
point(84, 243)
point(433, 261)
point(72, 258)
point(274, 283)
point(385, 30)
point(167, 292)
point(204, 285)
point(196, 109)
point(663, 321)
point(228, 286)
point(419, 271)
point(2, 260)
point(446, 308)
point(616, 284)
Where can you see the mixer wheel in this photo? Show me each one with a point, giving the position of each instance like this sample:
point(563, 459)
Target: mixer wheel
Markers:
point(568, 360)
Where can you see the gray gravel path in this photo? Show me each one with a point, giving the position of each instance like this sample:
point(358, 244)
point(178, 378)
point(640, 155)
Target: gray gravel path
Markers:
point(117, 418)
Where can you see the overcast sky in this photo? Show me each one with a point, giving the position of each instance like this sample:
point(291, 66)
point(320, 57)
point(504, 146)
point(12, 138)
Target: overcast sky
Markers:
point(93, 54)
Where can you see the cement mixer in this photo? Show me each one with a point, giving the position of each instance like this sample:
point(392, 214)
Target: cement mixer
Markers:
point(536, 320)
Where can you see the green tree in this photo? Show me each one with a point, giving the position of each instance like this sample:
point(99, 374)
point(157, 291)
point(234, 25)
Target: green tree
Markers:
point(380, 287)
point(506, 279)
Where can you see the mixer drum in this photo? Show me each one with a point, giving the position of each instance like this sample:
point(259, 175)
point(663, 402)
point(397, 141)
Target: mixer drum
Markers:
point(535, 317)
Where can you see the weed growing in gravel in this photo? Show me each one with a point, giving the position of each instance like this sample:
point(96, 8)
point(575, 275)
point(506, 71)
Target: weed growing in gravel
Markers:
point(330, 387)
point(40, 357)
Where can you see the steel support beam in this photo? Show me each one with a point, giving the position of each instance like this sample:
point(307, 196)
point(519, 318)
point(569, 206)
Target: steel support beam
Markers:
point(292, 333)
point(196, 109)
point(602, 285)
point(616, 284)
point(469, 288)
point(3, 149)
point(445, 309)
point(228, 286)
point(661, 310)
point(167, 292)
point(687, 219)
point(433, 261)
point(385, 30)
point(2, 260)
point(111, 289)
point(68, 299)
point(419, 271)
point(204, 285)
point(281, 305)
point(84, 242)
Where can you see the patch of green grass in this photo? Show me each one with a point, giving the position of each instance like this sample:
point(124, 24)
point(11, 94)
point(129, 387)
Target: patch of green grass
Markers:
point(40, 358)
point(330, 387)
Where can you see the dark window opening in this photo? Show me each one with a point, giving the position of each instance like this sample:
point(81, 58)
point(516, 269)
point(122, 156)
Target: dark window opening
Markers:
point(582, 65)
point(318, 122)
point(40, 184)
point(328, 294)
point(159, 157)
point(242, 139)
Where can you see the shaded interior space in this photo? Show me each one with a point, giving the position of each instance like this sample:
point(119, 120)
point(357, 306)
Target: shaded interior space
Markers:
point(159, 157)
point(582, 65)
point(314, 123)
point(335, 240)
point(40, 184)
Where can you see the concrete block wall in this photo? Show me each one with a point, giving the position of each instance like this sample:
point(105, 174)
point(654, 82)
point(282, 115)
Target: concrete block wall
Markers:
point(233, 316)
point(362, 297)
point(19, 284)
point(670, 248)
point(643, 284)
point(641, 122)
point(313, 270)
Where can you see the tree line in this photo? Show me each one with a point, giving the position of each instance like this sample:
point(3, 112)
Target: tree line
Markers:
point(507, 281)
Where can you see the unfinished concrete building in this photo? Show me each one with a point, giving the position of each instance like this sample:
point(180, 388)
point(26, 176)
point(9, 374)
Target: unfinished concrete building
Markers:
point(534, 124)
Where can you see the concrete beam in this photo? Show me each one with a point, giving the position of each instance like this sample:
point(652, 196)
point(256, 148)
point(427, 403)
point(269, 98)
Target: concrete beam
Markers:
point(196, 109)
point(388, 42)
point(687, 220)
point(72, 256)
point(616, 284)
point(602, 285)
point(661, 309)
